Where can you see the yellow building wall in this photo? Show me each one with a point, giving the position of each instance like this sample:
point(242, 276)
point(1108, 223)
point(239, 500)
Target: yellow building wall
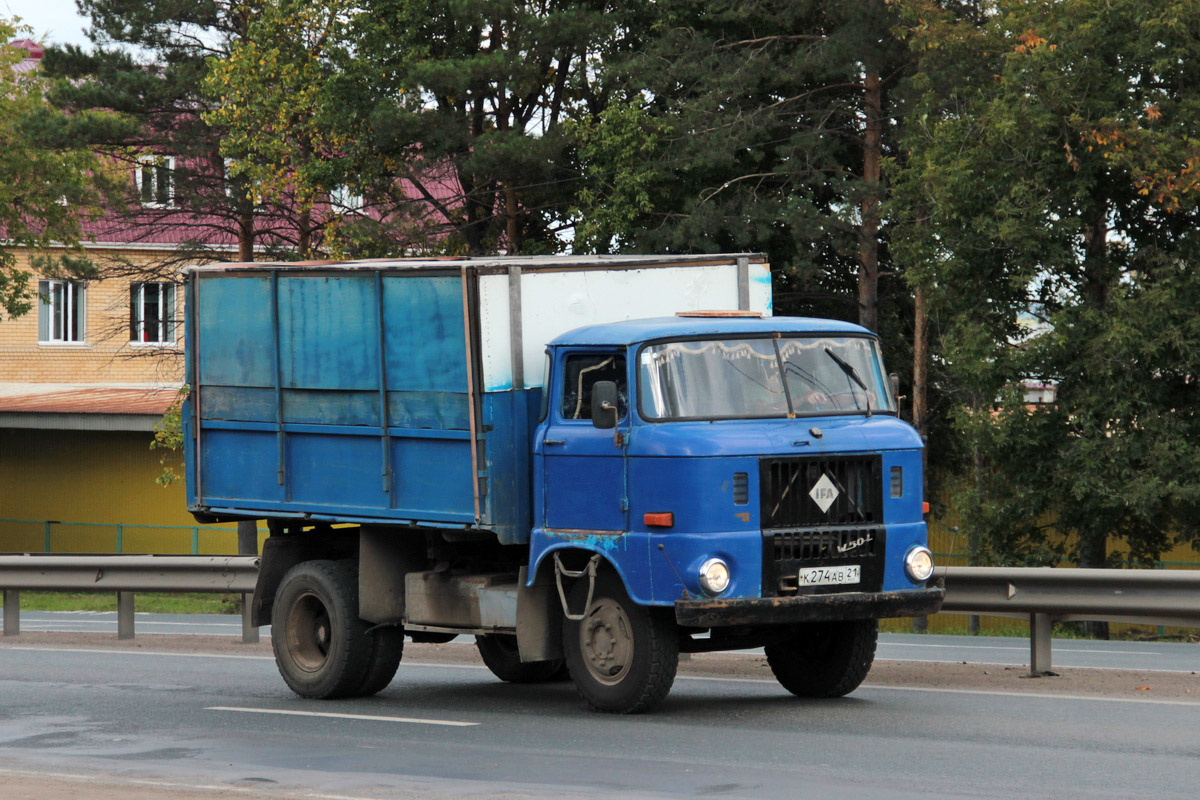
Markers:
point(90, 482)
point(106, 356)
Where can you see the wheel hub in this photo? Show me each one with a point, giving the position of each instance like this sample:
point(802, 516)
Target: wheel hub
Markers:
point(309, 632)
point(607, 642)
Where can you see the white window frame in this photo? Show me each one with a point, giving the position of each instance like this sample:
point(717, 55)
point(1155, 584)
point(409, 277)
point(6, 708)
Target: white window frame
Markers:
point(165, 328)
point(62, 313)
point(343, 200)
point(155, 169)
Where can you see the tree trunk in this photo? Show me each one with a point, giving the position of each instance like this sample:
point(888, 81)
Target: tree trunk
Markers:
point(245, 237)
point(919, 413)
point(247, 534)
point(868, 232)
point(1093, 544)
point(304, 235)
point(1093, 554)
point(920, 409)
point(513, 230)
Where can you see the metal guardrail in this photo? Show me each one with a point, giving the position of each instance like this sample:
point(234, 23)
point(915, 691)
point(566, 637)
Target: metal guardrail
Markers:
point(1041, 595)
point(1045, 595)
point(126, 575)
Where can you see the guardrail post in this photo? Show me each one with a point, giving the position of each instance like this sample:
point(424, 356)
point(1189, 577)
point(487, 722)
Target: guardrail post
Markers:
point(1039, 645)
point(12, 612)
point(124, 615)
point(249, 632)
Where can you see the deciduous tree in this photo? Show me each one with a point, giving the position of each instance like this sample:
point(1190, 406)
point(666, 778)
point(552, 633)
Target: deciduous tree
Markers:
point(1052, 219)
point(46, 190)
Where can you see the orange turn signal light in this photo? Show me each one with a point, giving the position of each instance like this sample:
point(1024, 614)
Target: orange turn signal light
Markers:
point(659, 519)
point(925, 507)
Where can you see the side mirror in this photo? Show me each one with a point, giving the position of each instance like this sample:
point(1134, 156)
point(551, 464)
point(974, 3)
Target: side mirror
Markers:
point(894, 380)
point(604, 404)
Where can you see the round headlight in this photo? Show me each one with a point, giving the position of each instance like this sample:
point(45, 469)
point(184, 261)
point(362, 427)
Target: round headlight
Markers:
point(714, 576)
point(918, 563)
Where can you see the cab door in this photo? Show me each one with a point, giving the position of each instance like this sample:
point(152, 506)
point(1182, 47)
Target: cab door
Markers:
point(584, 467)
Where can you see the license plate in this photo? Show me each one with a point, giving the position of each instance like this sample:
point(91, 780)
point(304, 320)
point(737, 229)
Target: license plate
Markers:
point(830, 576)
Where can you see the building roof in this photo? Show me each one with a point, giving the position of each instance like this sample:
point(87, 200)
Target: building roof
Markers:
point(126, 407)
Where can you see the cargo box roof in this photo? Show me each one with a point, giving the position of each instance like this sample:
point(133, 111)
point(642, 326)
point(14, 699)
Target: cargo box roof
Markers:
point(641, 330)
point(498, 263)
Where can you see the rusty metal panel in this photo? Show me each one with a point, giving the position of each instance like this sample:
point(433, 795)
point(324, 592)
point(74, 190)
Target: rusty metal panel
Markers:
point(807, 608)
point(477, 602)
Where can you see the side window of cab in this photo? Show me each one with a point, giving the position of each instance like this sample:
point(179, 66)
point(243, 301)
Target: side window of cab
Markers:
point(581, 371)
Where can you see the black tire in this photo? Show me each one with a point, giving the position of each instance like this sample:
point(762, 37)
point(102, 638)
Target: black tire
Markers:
point(320, 644)
point(825, 659)
point(621, 656)
point(500, 655)
point(387, 648)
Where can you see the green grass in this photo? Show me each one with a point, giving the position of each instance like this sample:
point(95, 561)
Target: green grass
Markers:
point(175, 603)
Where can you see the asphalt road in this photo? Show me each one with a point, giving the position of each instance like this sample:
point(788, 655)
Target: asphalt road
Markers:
point(1067, 653)
point(442, 731)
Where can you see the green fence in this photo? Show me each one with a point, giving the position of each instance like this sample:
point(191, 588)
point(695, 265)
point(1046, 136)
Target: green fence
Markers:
point(60, 536)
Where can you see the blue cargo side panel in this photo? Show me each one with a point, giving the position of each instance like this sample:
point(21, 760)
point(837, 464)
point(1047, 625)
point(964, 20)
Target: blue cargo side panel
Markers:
point(240, 465)
point(426, 352)
point(508, 418)
point(329, 332)
point(236, 332)
point(433, 478)
point(336, 471)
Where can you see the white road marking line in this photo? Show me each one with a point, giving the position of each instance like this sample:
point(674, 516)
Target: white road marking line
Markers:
point(114, 781)
point(51, 621)
point(333, 715)
point(1046, 696)
point(133, 652)
point(1058, 646)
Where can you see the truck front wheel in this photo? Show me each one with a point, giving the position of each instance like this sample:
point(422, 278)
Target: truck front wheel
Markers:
point(825, 659)
point(622, 656)
point(321, 646)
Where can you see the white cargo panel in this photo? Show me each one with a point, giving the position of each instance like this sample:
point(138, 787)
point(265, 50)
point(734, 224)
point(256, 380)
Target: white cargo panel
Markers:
point(554, 302)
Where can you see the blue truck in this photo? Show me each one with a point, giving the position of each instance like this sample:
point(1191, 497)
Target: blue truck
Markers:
point(591, 464)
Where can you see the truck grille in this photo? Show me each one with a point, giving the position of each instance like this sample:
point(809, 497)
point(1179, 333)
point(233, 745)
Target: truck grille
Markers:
point(785, 553)
point(828, 545)
point(850, 487)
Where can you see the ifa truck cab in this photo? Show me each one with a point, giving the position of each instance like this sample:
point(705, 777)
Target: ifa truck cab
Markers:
point(589, 464)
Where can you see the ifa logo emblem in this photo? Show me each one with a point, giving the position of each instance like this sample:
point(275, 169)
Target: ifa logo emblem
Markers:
point(824, 493)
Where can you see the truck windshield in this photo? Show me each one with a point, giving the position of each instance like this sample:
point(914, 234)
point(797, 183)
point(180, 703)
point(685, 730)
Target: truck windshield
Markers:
point(762, 378)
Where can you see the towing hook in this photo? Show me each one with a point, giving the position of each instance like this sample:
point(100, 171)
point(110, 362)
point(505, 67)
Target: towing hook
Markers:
point(560, 571)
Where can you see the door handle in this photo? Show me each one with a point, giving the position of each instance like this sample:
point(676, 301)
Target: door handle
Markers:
point(554, 441)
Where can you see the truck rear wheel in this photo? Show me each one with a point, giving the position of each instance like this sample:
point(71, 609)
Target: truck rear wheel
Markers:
point(499, 652)
point(320, 644)
point(387, 648)
point(825, 659)
point(621, 656)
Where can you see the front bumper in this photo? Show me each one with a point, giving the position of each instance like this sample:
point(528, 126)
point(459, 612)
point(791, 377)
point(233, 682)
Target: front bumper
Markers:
point(716, 613)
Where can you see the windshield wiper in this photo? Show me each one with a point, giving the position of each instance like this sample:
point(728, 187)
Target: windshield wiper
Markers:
point(852, 374)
